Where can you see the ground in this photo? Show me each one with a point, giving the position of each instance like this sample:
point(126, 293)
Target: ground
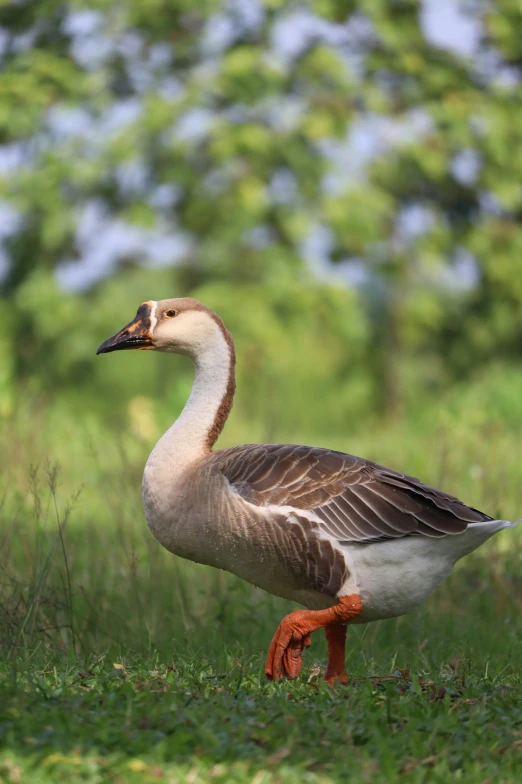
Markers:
point(432, 697)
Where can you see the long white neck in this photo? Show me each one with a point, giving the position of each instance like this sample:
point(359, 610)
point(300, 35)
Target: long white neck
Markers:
point(197, 428)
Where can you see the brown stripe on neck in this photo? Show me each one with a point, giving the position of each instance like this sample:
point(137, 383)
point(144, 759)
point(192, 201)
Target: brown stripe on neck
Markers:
point(228, 398)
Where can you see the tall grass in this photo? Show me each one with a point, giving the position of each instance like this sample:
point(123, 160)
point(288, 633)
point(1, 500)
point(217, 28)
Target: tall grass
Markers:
point(81, 576)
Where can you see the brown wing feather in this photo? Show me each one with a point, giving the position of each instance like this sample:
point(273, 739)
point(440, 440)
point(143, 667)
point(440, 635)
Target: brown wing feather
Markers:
point(356, 500)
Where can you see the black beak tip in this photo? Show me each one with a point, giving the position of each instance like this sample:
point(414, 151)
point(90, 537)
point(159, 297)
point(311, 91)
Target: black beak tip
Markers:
point(104, 348)
point(122, 342)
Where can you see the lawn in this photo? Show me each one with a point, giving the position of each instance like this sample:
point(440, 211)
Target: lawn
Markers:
point(121, 663)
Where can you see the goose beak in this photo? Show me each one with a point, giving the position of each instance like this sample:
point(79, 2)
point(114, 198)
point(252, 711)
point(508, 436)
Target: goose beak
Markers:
point(137, 334)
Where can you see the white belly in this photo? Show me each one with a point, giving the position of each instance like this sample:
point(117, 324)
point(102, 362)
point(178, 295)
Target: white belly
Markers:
point(394, 577)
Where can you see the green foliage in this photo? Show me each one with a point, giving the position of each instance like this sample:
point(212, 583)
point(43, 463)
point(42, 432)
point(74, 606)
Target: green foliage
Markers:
point(251, 139)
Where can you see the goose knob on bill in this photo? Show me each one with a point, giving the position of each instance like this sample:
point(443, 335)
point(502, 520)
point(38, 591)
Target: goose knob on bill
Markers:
point(346, 538)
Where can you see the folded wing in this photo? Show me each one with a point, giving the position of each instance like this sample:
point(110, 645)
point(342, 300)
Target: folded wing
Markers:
point(356, 500)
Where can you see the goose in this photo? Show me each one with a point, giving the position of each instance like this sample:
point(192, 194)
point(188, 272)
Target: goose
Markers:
point(346, 538)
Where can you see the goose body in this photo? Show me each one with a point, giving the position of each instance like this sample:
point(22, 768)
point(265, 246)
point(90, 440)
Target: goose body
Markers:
point(346, 538)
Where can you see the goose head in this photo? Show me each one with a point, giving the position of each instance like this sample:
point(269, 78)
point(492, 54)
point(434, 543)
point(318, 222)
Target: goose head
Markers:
point(180, 326)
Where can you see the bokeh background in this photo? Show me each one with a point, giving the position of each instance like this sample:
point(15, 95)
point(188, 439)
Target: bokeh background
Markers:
point(340, 180)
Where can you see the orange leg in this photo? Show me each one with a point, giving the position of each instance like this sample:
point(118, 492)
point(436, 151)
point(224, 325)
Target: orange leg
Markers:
point(336, 639)
point(293, 636)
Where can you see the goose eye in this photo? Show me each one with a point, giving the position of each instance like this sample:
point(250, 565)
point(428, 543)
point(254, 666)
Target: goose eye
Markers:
point(170, 313)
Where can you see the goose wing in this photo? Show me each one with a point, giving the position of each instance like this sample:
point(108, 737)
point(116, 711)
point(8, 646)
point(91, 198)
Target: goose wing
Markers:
point(356, 500)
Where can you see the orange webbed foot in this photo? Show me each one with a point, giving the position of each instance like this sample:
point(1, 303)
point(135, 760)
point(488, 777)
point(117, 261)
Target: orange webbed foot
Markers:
point(285, 653)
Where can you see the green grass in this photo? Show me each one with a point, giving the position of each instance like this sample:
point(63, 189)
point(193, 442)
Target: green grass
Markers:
point(147, 718)
point(120, 663)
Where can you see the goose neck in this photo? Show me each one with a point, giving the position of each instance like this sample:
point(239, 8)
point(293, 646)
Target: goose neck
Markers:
point(199, 425)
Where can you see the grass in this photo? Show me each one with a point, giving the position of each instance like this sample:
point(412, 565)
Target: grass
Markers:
point(120, 663)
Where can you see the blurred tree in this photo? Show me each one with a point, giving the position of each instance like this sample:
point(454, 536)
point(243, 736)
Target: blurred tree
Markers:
point(223, 136)
point(460, 293)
